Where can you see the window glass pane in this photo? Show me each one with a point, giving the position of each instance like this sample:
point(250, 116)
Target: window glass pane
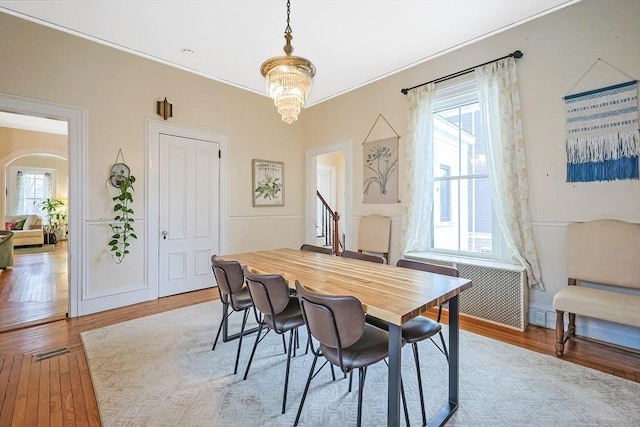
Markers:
point(470, 225)
point(462, 197)
point(34, 191)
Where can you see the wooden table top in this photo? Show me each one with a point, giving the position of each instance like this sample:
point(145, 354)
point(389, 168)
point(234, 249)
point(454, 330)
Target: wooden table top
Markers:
point(390, 293)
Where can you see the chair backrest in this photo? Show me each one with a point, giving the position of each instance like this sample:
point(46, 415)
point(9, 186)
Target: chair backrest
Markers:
point(336, 321)
point(228, 275)
point(604, 251)
point(364, 257)
point(374, 234)
point(425, 266)
point(319, 249)
point(269, 292)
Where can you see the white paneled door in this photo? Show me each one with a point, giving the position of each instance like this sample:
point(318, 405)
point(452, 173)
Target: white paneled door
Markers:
point(188, 218)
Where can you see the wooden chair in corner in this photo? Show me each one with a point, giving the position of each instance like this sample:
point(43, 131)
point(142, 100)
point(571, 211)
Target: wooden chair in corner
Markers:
point(374, 235)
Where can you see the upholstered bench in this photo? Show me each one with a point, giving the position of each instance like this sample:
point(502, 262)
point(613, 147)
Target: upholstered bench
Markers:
point(606, 253)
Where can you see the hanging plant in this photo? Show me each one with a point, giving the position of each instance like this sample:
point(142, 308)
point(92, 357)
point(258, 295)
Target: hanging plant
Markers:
point(122, 231)
point(121, 227)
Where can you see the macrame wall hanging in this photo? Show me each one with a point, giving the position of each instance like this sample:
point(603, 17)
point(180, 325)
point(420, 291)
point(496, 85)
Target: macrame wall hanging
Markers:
point(603, 140)
point(380, 164)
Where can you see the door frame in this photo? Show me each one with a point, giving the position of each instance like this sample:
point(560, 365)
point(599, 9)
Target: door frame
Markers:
point(77, 142)
point(347, 149)
point(154, 129)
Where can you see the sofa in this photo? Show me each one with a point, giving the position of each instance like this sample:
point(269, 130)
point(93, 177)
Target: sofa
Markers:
point(6, 249)
point(27, 229)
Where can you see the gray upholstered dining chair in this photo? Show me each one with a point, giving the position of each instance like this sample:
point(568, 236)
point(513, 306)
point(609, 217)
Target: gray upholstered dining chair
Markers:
point(233, 294)
point(362, 256)
point(319, 249)
point(345, 340)
point(420, 328)
point(279, 312)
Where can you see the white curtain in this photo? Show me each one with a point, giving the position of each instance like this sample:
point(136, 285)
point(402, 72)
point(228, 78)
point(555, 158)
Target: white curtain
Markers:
point(46, 186)
point(17, 204)
point(506, 162)
point(418, 172)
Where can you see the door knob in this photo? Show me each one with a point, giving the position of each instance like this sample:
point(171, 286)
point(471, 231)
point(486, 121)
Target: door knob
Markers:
point(164, 235)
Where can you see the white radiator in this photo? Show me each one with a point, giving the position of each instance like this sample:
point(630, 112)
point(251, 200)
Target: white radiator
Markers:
point(499, 293)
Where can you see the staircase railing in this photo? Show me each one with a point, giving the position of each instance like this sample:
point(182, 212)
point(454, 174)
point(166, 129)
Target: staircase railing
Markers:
point(329, 225)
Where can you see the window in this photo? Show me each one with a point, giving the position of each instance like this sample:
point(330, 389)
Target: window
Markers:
point(463, 215)
point(31, 187)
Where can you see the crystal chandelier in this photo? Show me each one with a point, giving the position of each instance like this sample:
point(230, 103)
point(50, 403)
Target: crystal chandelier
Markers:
point(288, 78)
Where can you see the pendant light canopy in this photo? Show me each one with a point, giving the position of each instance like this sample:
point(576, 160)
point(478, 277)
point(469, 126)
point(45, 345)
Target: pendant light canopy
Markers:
point(288, 78)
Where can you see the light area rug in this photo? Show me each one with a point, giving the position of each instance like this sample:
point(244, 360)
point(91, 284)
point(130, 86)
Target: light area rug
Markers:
point(33, 249)
point(159, 370)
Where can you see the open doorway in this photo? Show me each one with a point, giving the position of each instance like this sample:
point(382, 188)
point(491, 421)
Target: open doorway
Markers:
point(34, 166)
point(328, 173)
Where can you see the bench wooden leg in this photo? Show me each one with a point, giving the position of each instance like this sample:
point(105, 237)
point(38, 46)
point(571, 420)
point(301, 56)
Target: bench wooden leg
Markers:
point(560, 332)
point(572, 325)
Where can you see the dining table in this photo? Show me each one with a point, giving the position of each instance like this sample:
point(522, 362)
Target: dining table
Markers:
point(390, 293)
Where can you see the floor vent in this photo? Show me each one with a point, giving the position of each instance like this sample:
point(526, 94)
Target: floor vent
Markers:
point(49, 354)
point(499, 293)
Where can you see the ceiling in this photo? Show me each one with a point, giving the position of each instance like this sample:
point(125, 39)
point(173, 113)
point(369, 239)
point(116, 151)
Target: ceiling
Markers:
point(351, 42)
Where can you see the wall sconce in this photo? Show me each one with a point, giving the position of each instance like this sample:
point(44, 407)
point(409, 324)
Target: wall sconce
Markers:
point(164, 109)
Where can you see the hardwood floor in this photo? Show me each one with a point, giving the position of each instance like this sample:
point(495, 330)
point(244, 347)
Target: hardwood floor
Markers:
point(45, 381)
point(35, 290)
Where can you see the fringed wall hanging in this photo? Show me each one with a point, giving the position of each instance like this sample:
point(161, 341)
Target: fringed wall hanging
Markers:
point(603, 140)
point(380, 164)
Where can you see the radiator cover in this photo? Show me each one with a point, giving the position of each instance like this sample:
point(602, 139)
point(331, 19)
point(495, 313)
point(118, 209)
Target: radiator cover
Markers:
point(499, 293)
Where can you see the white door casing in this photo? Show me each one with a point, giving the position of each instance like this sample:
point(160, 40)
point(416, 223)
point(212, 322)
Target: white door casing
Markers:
point(77, 138)
point(187, 200)
point(311, 182)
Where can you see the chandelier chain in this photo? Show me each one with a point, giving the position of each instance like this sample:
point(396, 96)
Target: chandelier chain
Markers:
point(287, 30)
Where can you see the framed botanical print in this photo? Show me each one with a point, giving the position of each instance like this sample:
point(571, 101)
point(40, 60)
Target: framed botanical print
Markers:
point(380, 164)
point(268, 183)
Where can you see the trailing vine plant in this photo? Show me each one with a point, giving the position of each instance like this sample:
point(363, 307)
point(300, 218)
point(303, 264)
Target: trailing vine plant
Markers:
point(121, 228)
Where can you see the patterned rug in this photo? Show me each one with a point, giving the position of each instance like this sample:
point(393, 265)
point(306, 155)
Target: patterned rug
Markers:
point(160, 371)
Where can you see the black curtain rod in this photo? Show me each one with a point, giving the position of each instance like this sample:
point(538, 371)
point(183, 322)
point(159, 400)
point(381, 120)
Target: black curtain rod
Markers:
point(517, 54)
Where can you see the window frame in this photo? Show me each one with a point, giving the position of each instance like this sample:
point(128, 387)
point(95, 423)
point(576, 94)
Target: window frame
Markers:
point(460, 93)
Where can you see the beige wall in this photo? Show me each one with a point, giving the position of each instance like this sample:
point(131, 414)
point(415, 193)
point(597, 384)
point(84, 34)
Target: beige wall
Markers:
point(558, 50)
point(120, 90)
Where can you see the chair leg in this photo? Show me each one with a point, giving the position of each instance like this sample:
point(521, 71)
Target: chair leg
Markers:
point(306, 389)
point(559, 333)
point(350, 380)
point(284, 344)
point(444, 346)
point(362, 374)
point(416, 356)
point(244, 323)
point(404, 405)
point(286, 375)
point(246, 372)
point(225, 312)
